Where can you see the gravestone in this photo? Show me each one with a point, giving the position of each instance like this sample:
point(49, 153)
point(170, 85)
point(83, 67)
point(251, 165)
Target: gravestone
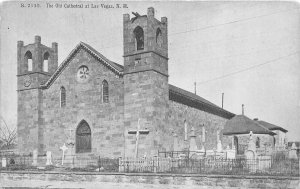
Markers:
point(4, 162)
point(175, 143)
point(193, 145)
point(293, 152)
point(219, 146)
point(49, 158)
point(137, 133)
point(251, 154)
point(230, 153)
point(63, 148)
point(34, 157)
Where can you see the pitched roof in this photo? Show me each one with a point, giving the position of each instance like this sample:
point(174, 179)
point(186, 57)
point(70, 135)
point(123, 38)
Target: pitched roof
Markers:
point(241, 124)
point(271, 126)
point(118, 69)
point(175, 93)
point(182, 96)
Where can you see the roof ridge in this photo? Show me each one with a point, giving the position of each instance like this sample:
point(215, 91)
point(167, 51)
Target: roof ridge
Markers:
point(89, 49)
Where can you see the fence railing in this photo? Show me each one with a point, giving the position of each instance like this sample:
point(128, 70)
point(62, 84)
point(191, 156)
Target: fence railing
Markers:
point(262, 165)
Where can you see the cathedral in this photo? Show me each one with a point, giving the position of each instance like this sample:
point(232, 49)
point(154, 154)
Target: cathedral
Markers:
point(104, 108)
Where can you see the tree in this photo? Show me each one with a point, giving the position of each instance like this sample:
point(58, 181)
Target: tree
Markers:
point(7, 136)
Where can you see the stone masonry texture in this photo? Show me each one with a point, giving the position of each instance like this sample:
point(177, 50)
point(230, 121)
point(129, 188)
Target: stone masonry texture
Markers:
point(162, 181)
point(139, 92)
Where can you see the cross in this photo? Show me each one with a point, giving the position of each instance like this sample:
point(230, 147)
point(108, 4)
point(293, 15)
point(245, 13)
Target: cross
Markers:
point(137, 134)
point(63, 148)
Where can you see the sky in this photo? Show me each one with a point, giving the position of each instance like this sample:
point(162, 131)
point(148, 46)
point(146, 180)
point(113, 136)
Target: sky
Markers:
point(247, 50)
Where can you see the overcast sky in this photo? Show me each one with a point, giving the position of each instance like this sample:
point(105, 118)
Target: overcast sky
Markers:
point(247, 50)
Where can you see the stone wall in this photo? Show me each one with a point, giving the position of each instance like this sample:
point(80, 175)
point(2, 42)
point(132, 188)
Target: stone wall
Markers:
point(27, 120)
point(119, 180)
point(178, 113)
point(84, 102)
point(266, 143)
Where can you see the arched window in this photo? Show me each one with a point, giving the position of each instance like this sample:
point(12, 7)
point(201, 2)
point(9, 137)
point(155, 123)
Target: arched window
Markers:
point(159, 39)
point(28, 60)
point(139, 38)
point(83, 138)
point(105, 95)
point(45, 62)
point(62, 97)
point(257, 142)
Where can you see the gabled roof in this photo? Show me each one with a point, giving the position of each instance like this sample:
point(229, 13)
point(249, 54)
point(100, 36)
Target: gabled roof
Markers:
point(118, 69)
point(182, 96)
point(175, 94)
point(241, 124)
point(271, 126)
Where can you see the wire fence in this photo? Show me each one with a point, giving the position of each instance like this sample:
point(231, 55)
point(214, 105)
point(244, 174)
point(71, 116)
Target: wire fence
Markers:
point(264, 165)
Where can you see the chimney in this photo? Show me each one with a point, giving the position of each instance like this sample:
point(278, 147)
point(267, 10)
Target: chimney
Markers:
point(195, 87)
point(242, 109)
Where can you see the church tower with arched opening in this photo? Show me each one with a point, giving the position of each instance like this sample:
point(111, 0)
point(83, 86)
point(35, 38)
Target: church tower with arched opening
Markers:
point(36, 63)
point(145, 80)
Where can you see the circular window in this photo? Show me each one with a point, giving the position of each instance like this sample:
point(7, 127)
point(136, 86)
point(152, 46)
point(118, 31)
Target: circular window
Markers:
point(83, 74)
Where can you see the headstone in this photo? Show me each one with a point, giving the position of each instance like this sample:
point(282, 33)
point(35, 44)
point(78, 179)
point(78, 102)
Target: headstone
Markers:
point(137, 133)
point(250, 154)
point(49, 158)
point(251, 144)
point(219, 146)
point(193, 145)
point(4, 162)
point(230, 153)
point(175, 143)
point(293, 152)
point(34, 157)
point(69, 157)
point(63, 148)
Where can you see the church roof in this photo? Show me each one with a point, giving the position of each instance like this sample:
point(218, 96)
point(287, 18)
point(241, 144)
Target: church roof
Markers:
point(241, 124)
point(118, 69)
point(185, 97)
point(271, 126)
point(175, 94)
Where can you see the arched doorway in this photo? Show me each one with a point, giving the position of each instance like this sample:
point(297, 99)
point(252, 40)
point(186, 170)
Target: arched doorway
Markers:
point(83, 138)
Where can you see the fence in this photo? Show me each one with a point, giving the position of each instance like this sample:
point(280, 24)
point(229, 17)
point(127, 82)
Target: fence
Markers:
point(70, 163)
point(263, 165)
point(242, 166)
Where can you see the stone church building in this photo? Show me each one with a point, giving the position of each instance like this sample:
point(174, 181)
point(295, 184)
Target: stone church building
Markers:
point(97, 104)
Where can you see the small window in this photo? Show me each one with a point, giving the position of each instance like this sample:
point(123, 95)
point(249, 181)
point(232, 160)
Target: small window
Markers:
point(257, 142)
point(159, 39)
point(62, 97)
point(139, 38)
point(28, 60)
point(105, 95)
point(45, 62)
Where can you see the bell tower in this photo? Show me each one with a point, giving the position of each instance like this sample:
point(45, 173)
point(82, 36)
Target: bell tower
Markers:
point(35, 63)
point(146, 89)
